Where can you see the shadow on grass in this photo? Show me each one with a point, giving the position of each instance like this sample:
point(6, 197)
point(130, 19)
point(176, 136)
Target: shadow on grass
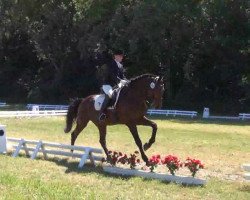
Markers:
point(72, 166)
point(244, 188)
point(202, 121)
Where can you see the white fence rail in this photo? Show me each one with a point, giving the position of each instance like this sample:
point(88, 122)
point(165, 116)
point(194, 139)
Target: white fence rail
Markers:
point(246, 167)
point(32, 113)
point(192, 114)
point(33, 147)
point(244, 116)
point(47, 107)
point(223, 117)
point(174, 113)
point(2, 104)
point(241, 116)
point(160, 176)
point(64, 112)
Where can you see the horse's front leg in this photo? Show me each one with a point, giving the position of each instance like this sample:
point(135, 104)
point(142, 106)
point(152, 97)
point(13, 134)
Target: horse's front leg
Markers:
point(146, 122)
point(133, 130)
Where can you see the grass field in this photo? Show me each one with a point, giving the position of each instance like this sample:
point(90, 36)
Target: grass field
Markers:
point(223, 147)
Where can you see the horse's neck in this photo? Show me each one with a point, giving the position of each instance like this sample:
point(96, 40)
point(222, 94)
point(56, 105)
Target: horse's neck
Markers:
point(138, 93)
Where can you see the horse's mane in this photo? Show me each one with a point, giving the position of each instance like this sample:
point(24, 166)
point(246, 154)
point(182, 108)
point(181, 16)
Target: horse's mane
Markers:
point(132, 80)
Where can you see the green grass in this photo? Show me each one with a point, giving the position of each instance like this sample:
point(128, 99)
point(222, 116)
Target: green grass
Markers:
point(221, 146)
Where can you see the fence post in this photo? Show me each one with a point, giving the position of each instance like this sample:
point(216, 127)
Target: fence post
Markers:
point(85, 156)
point(38, 146)
point(243, 116)
point(18, 148)
point(35, 108)
point(91, 158)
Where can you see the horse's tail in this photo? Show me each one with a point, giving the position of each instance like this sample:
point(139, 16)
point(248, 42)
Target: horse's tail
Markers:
point(72, 114)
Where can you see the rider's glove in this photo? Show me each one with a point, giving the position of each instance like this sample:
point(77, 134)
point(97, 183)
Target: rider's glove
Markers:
point(123, 82)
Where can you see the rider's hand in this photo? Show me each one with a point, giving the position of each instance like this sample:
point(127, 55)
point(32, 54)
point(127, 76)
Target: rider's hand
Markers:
point(123, 82)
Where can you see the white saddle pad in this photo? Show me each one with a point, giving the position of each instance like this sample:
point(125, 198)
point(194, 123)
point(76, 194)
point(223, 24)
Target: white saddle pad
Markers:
point(98, 101)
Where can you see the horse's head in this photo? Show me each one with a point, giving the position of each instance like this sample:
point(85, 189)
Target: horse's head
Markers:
point(155, 91)
point(150, 87)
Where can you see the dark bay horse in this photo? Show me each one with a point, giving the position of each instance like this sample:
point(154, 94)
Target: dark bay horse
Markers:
point(130, 110)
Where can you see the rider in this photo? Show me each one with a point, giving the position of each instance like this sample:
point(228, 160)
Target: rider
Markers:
point(115, 75)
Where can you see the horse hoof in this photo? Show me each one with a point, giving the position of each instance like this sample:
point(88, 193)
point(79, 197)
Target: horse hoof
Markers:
point(148, 164)
point(66, 130)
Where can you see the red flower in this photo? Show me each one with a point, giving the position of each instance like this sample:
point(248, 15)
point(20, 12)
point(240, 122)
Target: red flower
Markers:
point(193, 165)
point(118, 157)
point(172, 163)
point(154, 161)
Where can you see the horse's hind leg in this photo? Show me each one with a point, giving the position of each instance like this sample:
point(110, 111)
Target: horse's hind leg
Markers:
point(103, 132)
point(81, 124)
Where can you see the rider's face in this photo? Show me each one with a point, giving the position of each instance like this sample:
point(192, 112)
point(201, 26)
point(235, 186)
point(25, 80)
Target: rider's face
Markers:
point(118, 58)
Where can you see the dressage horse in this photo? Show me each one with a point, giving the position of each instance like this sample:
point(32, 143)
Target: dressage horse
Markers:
point(130, 110)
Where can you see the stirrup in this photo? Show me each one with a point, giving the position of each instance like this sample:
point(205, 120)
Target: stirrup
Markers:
point(102, 117)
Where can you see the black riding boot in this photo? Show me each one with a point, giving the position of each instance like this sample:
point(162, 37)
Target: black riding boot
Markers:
point(102, 115)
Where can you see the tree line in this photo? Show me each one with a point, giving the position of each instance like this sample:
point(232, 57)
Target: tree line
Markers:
point(50, 49)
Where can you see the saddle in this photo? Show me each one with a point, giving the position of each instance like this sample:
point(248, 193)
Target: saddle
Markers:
point(113, 93)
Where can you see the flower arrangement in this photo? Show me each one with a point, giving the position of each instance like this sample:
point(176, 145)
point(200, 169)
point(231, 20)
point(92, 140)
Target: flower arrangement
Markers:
point(123, 159)
point(193, 165)
point(115, 158)
point(133, 160)
point(154, 162)
point(112, 158)
point(172, 163)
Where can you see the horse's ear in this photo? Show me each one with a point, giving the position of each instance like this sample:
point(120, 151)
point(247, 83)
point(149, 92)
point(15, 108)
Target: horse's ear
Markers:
point(156, 79)
point(162, 78)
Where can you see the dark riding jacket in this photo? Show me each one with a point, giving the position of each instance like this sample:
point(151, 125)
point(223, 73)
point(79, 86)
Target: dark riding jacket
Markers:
point(115, 73)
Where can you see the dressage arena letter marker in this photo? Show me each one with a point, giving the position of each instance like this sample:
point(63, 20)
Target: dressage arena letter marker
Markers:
point(3, 142)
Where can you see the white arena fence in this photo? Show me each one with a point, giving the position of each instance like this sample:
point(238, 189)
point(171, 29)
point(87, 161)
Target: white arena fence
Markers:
point(244, 116)
point(8, 114)
point(2, 104)
point(223, 117)
point(47, 107)
point(174, 113)
point(32, 148)
point(64, 112)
